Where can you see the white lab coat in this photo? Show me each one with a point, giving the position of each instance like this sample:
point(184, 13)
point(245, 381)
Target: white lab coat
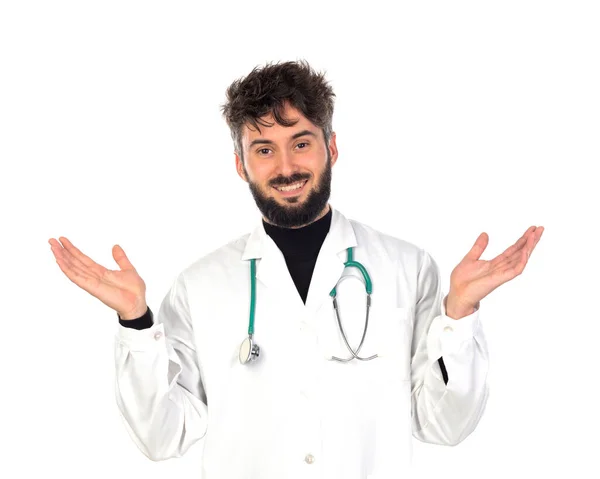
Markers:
point(294, 413)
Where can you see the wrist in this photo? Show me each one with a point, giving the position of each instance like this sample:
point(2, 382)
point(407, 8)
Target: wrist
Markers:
point(456, 309)
point(138, 313)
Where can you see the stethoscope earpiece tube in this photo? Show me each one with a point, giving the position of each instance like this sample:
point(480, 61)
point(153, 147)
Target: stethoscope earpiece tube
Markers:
point(250, 351)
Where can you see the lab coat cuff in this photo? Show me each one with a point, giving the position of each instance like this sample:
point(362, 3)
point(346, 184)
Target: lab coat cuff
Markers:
point(141, 339)
point(465, 326)
point(447, 335)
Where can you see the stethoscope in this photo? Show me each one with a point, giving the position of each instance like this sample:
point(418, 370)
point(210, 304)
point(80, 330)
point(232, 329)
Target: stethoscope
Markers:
point(250, 351)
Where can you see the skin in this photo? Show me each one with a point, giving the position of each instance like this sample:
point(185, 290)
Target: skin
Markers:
point(473, 278)
point(284, 155)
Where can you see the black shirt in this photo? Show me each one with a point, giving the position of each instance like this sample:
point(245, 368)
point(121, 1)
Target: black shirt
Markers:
point(300, 248)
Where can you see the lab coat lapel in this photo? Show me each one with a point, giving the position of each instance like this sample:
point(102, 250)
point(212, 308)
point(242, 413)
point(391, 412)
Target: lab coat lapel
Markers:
point(330, 261)
point(272, 270)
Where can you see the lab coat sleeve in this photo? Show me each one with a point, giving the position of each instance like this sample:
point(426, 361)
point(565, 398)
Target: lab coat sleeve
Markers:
point(445, 413)
point(158, 385)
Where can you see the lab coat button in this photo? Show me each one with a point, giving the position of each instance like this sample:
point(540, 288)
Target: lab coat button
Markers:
point(309, 459)
point(448, 329)
point(158, 335)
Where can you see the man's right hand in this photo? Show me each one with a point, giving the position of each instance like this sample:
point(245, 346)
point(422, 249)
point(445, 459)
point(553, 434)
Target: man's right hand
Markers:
point(124, 290)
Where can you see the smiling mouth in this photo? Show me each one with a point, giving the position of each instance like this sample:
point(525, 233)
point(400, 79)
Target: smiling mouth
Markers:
point(293, 187)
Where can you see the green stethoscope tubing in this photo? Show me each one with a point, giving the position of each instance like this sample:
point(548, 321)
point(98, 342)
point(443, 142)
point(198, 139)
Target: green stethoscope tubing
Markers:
point(350, 263)
point(252, 295)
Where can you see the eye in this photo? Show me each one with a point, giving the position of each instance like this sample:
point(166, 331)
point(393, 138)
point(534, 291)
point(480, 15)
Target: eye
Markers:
point(263, 150)
point(302, 143)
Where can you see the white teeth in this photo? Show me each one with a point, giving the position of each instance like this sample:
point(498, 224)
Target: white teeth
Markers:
point(295, 186)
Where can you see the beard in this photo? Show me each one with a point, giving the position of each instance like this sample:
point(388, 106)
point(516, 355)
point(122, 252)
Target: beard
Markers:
point(294, 214)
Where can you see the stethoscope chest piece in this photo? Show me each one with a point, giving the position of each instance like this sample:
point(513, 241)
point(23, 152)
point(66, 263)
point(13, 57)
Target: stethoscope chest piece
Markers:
point(249, 351)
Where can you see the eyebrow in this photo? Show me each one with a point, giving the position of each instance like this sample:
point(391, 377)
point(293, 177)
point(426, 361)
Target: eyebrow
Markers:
point(264, 141)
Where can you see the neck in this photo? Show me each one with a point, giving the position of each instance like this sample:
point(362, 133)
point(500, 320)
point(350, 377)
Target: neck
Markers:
point(319, 216)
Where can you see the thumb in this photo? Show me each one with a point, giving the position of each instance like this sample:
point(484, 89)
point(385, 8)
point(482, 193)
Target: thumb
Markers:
point(121, 258)
point(478, 248)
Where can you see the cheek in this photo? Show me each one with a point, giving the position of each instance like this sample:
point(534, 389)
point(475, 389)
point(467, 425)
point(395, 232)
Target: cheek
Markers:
point(318, 163)
point(261, 176)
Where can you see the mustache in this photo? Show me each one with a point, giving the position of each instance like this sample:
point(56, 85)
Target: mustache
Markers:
point(283, 181)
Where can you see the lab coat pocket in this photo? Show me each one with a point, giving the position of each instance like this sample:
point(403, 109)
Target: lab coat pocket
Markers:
point(388, 335)
point(392, 337)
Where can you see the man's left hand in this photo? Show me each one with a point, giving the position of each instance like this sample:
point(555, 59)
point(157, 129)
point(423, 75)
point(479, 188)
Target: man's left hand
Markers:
point(473, 279)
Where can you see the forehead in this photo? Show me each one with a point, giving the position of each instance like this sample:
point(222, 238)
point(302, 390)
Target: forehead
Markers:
point(277, 131)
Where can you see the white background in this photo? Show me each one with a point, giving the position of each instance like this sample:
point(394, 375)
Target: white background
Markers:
point(452, 118)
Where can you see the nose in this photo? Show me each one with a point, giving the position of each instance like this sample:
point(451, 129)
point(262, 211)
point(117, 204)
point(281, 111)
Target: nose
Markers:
point(286, 165)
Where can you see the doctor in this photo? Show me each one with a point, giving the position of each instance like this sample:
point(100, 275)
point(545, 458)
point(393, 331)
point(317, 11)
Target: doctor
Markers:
point(268, 349)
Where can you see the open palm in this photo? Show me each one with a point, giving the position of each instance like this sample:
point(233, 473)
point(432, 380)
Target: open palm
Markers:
point(122, 290)
point(473, 279)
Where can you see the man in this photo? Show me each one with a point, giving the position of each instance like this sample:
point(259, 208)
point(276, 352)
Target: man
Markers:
point(309, 401)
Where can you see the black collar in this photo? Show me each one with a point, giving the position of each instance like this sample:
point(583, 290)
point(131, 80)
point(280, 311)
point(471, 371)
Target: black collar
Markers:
point(301, 243)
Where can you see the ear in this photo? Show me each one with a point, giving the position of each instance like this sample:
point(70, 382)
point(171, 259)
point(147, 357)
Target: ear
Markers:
point(240, 167)
point(333, 148)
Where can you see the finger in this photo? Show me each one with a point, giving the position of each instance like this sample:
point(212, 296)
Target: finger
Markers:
point(83, 262)
point(531, 241)
point(76, 253)
point(518, 262)
point(508, 253)
point(538, 234)
point(519, 265)
point(513, 253)
point(76, 275)
point(530, 245)
point(68, 260)
point(121, 258)
point(500, 260)
point(513, 268)
point(517, 256)
point(478, 248)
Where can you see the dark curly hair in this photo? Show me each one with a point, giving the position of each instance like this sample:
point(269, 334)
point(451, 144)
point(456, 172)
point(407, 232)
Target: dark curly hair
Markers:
point(267, 89)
